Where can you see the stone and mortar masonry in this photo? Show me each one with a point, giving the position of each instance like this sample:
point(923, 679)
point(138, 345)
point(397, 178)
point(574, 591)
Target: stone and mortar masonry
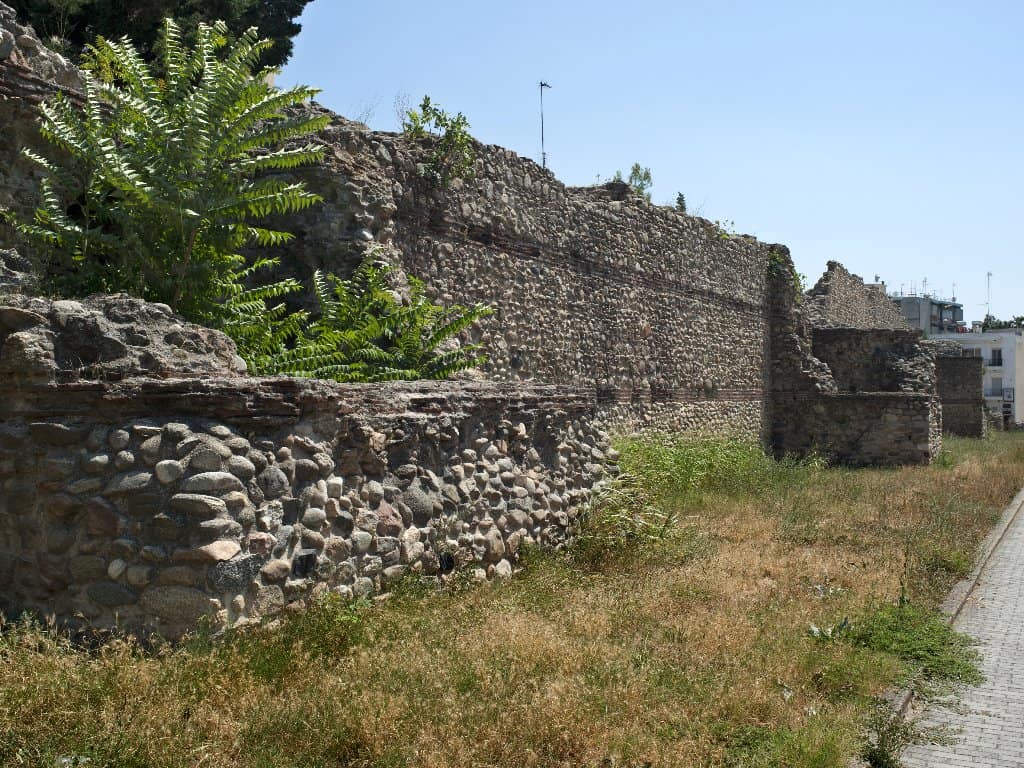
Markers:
point(663, 318)
point(841, 300)
point(29, 74)
point(875, 360)
point(961, 389)
point(673, 323)
point(855, 396)
point(660, 313)
point(148, 482)
point(151, 500)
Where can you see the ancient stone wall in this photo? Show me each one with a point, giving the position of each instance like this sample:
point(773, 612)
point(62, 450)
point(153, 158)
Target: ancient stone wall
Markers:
point(961, 388)
point(660, 313)
point(875, 360)
point(661, 317)
point(878, 407)
point(841, 300)
point(153, 501)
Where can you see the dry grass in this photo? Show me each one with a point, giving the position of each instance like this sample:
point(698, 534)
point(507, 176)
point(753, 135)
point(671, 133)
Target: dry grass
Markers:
point(689, 649)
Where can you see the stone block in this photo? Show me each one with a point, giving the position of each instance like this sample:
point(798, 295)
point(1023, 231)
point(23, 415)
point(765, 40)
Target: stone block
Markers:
point(176, 605)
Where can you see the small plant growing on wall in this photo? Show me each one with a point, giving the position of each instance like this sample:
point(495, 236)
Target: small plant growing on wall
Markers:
point(453, 155)
point(780, 266)
point(639, 179)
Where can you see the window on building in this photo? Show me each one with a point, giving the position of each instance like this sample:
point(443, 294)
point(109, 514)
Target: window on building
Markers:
point(997, 387)
point(997, 357)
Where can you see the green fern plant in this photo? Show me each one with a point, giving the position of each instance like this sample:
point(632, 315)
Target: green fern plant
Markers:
point(364, 332)
point(262, 327)
point(162, 182)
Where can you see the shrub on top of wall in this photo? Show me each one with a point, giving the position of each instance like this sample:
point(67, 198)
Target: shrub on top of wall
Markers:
point(164, 180)
point(452, 156)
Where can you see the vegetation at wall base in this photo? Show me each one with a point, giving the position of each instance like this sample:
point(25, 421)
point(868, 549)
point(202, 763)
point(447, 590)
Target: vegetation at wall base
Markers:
point(679, 645)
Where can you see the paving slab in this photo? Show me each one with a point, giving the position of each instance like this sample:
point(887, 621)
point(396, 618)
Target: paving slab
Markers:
point(987, 721)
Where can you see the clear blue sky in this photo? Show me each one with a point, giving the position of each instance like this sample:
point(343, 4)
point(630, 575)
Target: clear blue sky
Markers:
point(885, 135)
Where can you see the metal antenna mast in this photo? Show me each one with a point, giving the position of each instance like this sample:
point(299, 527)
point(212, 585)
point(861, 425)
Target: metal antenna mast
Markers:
point(543, 154)
point(988, 295)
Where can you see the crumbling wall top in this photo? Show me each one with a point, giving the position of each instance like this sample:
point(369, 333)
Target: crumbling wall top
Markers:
point(841, 299)
point(21, 49)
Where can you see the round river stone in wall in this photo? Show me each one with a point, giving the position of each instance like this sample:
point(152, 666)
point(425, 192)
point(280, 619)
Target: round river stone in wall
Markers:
point(242, 468)
point(274, 483)
point(198, 504)
point(110, 594)
point(419, 503)
point(169, 471)
point(212, 482)
point(205, 460)
point(235, 575)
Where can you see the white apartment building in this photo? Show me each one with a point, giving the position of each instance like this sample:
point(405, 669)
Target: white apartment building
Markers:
point(1003, 356)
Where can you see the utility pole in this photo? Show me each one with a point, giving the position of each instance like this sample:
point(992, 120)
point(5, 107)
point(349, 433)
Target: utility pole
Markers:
point(543, 154)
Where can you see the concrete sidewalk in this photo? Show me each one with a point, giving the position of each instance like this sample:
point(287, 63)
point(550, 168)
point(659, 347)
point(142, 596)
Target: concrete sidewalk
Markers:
point(988, 720)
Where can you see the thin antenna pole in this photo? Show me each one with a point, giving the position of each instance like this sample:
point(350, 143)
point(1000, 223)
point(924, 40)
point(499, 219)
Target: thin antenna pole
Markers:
point(543, 154)
point(988, 295)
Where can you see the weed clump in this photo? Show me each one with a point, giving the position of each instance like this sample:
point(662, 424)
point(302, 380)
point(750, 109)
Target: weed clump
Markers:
point(922, 639)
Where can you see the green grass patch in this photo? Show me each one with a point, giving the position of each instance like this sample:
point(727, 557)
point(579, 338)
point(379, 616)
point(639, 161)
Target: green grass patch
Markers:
point(923, 640)
point(673, 633)
point(812, 746)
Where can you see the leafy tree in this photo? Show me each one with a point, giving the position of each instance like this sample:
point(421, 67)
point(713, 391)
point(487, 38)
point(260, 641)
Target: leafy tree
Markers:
point(639, 179)
point(163, 181)
point(453, 155)
point(76, 23)
point(681, 202)
point(992, 323)
point(364, 332)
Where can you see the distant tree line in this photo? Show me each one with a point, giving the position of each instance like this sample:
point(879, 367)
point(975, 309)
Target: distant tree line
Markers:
point(993, 323)
point(70, 25)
